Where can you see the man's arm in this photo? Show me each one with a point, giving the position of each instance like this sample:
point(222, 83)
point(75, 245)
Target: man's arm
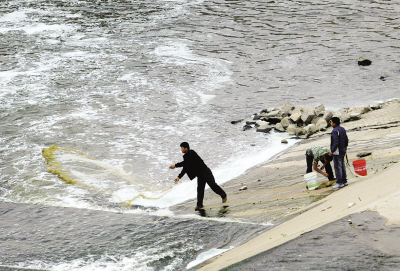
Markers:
point(335, 141)
point(183, 172)
point(315, 166)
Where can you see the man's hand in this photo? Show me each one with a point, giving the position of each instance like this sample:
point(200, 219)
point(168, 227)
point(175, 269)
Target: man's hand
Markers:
point(330, 153)
point(172, 166)
point(325, 174)
point(176, 180)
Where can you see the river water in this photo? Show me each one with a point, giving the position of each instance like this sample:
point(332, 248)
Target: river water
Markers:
point(118, 85)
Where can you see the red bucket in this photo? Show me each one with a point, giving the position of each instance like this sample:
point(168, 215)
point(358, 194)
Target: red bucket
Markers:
point(360, 167)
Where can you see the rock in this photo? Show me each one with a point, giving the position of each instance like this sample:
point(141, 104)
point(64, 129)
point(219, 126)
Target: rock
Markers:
point(243, 188)
point(328, 115)
point(279, 127)
point(321, 125)
point(300, 131)
point(250, 122)
point(272, 117)
point(284, 141)
point(360, 109)
point(319, 110)
point(263, 126)
point(288, 107)
point(363, 61)
point(247, 127)
point(315, 120)
point(272, 109)
point(355, 116)
point(261, 123)
point(307, 115)
point(296, 115)
point(311, 129)
point(363, 154)
point(342, 115)
point(236, 121)
point(376, 106)
point(275, 113)
point(285, 122)
point(383, 78)
point(291, 129)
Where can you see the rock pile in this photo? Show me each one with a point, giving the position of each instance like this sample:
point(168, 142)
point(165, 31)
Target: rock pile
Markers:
point(303, 121)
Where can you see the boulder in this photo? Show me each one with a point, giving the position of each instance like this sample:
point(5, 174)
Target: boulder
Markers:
point(310, 129)
point(360, 109)
point(287, 108)
point(247, 127)
point(307, 115)
point(296, 115)
point(376, 106)
point(321, 125)
point(263, 126)
point(279, 127)
point(319, 110)
point(342, 115)
point(363, 61)
point(328, 115)
point(301, 132)
point(285, 122)
point(271, 117)
point(315, 120)
point(284, 141)
point(291, 129)
point(236, 121)
point(355, 116)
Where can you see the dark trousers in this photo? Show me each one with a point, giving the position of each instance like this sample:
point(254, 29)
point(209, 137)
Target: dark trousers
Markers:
point(328, 168)
point(340, 169)
point(207, 178)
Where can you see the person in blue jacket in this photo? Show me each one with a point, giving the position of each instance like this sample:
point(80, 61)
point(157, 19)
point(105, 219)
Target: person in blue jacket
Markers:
point(339, 143)
point(194, 166)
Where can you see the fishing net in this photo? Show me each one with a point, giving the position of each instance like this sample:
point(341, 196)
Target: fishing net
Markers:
point(122, 185)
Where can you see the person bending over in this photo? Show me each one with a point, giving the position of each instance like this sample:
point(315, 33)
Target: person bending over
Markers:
point(317, 154)
point(193, 166)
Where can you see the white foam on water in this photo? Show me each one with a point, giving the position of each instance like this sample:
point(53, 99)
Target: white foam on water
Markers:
point(205, 256)
point(232, 168)
point(14, 17)
point(40, 27)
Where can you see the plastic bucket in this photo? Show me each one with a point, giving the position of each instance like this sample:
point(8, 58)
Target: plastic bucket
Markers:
point(360, 167)
point(312, 180)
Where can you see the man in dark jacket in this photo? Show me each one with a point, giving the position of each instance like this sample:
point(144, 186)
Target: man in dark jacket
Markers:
point(194, 167)
point(339, 143)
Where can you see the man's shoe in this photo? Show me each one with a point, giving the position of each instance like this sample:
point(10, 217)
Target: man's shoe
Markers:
point(338, 185)
point(224, 199)
point(198, 208)
point(345, 184)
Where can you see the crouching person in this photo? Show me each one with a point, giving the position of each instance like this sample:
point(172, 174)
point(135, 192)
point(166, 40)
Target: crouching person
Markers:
point(317, 154)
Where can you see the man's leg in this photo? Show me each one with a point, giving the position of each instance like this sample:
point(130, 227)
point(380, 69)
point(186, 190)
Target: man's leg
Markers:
point(338, 162)
point(328, 170)
point(344, 174)
point(309, 160)
point(213, 185)
point(201, 184)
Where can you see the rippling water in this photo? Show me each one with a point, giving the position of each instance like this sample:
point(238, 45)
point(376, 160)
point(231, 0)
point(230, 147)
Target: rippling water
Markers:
point(126, 81)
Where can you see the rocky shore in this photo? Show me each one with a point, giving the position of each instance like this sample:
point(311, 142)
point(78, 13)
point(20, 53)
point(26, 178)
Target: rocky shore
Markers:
point(303, 121)
point(275, 192)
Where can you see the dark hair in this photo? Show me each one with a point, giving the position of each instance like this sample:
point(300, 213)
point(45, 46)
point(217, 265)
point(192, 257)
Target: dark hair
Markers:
point(185, 145)
point(336, 120)
point(328, 157)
